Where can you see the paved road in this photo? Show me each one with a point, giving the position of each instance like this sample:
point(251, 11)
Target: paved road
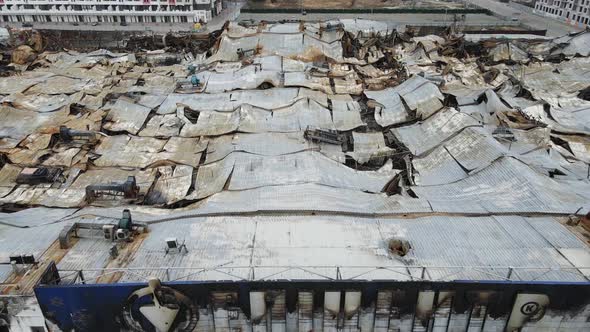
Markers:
point(554, 28)
point(392, 20)
point(233, 12)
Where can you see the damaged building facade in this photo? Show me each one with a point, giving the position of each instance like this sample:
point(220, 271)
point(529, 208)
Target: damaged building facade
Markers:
point(320, 176)
point(123, 12)
point(574, 12)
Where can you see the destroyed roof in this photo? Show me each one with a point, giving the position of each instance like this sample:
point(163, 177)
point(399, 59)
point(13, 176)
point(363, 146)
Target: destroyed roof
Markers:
point(474, 152)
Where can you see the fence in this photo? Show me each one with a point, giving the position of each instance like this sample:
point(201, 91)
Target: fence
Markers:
point(350, 273)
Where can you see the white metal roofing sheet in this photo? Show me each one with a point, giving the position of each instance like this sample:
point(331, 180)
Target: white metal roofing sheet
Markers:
point(393, 110)
point(449, 247)
point(424, 136)
point(505, 185)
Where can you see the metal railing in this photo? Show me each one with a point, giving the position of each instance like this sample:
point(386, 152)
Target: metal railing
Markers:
point(336, 273)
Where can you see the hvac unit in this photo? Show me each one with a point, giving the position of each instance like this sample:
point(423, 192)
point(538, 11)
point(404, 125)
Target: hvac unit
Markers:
point(109, 232)
point(122, 234)
point(173, 245)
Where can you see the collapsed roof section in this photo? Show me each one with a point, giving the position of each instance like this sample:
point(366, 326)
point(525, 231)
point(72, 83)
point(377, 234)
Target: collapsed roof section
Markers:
point(345, 119)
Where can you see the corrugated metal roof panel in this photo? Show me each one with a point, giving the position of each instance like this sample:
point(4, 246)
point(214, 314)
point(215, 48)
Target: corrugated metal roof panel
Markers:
point(393, 110)
point(25, 241)
point(555, 233)
point(506, 185)
point(368, 146)
point(424, 136)
point(252, 171)
point(78, 256)
point(35, 216)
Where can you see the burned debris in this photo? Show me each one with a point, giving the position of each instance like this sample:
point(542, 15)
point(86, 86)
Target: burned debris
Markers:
point(375, 101)
point(295, 151)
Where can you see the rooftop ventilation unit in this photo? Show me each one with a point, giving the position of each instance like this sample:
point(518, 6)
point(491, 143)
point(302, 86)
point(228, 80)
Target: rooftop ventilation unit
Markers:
point(124, 230)
point(23, 259)
point(114, 252)
point(68, 135)
point(128, 189)
point(109, 232)
point(173, 245)
point(243, 53)
point(38, 175)
point(333, 27)
point(503, 134)
point(324, 135)
point(122, 234)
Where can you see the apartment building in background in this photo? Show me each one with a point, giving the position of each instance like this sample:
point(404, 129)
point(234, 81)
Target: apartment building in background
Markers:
point(576, 12)
point(108, 11)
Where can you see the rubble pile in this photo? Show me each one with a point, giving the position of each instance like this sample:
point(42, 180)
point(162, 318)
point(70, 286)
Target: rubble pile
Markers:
point(438, 123)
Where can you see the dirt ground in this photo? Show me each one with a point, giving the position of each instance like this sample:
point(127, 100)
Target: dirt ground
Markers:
point(335, 4)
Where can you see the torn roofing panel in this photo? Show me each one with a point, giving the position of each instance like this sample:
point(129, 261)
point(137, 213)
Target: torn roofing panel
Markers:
point(346, 113)
point(419, 95)
point(390, 109)
point(425, 100)
point(293, 118)
point(572, 120)
point(56, 85)
point(368, 146)
point(249, 119)
point(8, 175)
point(124, 115)
point(424, 136)
point(275, 144)
point(474, 148)
point(162, 126)
point(212, 178)
point(577, 45)
point(291, 45)
point(226, 102)
point(253, 171)
point(10, 85)
point(507, 185)
point(16, 124)
point(38, 103)
point(302, 79)
point(543, 80)
point(565, 121)
point(209, 123)
point(141, 152)
point(577, 147)
point(250, 77)
point(171, 186)
point(437, 167)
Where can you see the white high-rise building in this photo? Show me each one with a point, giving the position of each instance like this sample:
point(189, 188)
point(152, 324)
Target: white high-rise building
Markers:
point(108, 11)
point(575, 12)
